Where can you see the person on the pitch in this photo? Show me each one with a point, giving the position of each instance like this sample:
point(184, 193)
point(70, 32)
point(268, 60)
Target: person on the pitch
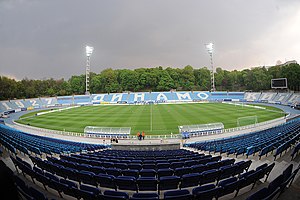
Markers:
point(143, 135)
point(139, 136)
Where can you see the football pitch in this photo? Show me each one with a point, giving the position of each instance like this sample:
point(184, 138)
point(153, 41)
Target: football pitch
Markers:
point(153, 119)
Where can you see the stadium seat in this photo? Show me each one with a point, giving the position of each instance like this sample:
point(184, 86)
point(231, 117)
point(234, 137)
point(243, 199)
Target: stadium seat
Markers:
point(178, 195)
point(165, 172)
point(126, 183)
point(227, 171)
point(114, 195)
point(147, 184)
point(36, 194)
point(229, 185)
point(168, 182)
point(131, 172)
point(147, 173)
point(207, 192)
point(190, 180)
point(260, 194)
point(144, 196)
point(106, 181)
point(210, 176)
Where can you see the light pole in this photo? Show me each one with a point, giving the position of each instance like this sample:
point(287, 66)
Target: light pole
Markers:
point(210, 48)
point(89, 51)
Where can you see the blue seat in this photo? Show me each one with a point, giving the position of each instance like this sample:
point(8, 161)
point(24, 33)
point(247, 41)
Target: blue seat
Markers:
point(249, 178)
point(114, 195)
point(113, 171)
point(168, 182)
point(97, 169)
point(144, 196)
point(106, 181)
point(178, 195)
point(229, 186)
point(126, 183)
point(276, 183)
point(162, 166)
point(212, 165)
point(295, 151)
point(94, 190)
point(67, 186)
point(108, 165)
point(287, 180)
point(131, 172)
point(210, 176)
point(242, 166)
point(227, 171)
point(182, 171)
point(70, 173)
point(190, 180)
point(175, 165)
point(165, 172)
point(147, 173)
point(147, 184)
point(135, 166)
point(83, 194)
point(36, 194)
point(269, 194)
point(268, 170)
point(260, 194)
point(149, 166)
point(207, 192)
point(198, 168)
point(21, 186)
point(86, 177)
point(121, 166)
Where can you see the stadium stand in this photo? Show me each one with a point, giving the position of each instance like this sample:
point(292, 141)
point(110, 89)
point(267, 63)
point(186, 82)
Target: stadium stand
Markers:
point(15, 140)
point(10, 106)
point(278, 138)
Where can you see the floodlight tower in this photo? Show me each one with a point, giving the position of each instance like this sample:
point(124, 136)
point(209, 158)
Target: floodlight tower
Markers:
point(89, 51)
point(210, 48)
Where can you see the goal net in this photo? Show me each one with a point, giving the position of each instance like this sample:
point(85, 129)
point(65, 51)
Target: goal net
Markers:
point(107, 131)
point(197, 129)
point(248, 120)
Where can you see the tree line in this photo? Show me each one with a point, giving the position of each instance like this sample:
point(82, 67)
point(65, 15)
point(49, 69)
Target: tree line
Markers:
point(153, 79)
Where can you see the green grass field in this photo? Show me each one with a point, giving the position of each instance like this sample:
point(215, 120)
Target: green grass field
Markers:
point(153, 119)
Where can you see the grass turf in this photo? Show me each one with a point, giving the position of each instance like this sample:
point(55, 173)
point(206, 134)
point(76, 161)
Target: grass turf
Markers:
point(153, 119)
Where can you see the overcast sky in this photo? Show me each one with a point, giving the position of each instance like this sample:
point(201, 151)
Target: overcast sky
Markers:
point(46, 39)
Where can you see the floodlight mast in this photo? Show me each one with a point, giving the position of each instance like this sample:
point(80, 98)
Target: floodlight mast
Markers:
point(89, 51)
point(210, 48)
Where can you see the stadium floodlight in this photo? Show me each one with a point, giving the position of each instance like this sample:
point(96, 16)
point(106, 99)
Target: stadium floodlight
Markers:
point(210, 49)
point(89, 51)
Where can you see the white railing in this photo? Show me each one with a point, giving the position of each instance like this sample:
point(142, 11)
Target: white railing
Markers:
point(257, 127)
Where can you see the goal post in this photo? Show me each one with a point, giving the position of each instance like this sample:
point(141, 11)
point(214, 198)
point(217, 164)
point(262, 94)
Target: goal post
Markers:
point(200, 129)
point(248, 120)
point(107, 132)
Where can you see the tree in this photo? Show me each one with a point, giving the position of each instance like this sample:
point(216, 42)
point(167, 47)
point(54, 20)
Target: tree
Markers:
point(166, 82)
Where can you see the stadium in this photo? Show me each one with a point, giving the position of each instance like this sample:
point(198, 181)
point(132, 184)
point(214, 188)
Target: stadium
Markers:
point(237, 154)
point(220, 131)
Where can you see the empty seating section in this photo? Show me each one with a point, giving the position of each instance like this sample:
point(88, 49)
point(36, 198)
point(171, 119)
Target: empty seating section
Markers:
point(277, 186)
point(115, 174)
point(14, 140)
point(18, 105)
point(277, 139)
point(269, 97)
point(131, 98)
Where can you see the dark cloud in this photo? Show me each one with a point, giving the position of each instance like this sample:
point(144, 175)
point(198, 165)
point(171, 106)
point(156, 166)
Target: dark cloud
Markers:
point(42, 39)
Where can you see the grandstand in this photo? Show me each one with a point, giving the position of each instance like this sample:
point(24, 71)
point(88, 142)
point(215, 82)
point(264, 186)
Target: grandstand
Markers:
point(146, 97)
point(258, 164)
